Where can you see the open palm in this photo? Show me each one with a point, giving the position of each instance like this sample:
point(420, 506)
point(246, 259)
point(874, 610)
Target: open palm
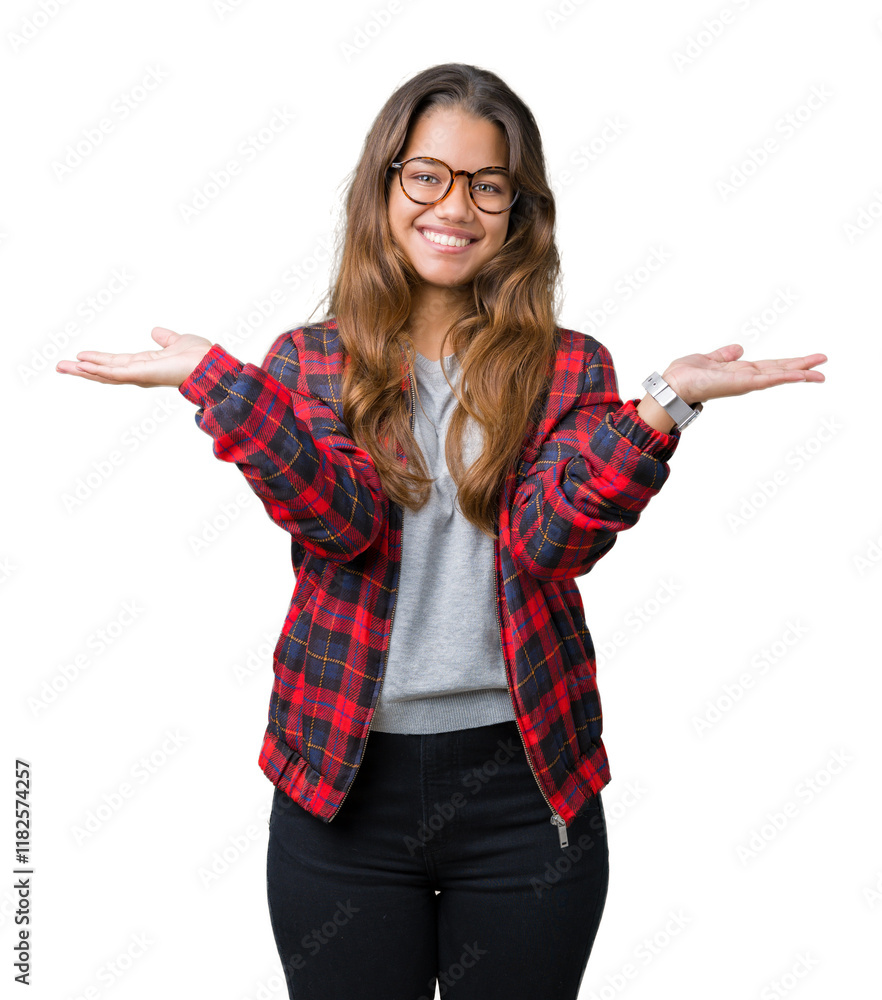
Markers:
point(699, 377)
point(179, 356)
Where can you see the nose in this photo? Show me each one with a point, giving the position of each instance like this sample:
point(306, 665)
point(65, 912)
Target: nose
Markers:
point(457, 203)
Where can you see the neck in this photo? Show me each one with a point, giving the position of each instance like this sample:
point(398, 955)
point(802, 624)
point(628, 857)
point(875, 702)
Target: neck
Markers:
point(435, 309)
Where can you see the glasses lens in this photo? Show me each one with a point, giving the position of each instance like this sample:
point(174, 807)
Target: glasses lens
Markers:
point(493, 190)
point(425, 180)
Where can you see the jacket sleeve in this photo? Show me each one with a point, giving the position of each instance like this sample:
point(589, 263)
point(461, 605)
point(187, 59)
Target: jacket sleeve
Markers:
point(296, 455)
point(598, 467)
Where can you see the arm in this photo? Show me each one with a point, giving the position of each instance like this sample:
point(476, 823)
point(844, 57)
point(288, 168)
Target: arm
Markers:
point(597, 469)
point(296, 454)
point(651, 412)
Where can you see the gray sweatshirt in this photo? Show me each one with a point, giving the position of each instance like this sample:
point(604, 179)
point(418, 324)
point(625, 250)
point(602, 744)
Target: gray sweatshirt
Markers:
point(445, 668)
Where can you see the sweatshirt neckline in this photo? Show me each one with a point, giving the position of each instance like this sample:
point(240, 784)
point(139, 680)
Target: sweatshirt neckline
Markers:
point(450, 362)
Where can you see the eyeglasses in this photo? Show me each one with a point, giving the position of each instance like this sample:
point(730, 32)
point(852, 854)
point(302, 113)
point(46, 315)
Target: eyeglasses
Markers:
point(422, 177)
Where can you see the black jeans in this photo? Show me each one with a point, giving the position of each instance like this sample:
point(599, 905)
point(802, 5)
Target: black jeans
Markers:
point(441, 864)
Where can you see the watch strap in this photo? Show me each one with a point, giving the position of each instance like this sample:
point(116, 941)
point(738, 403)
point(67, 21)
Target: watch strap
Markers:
point(682, 413)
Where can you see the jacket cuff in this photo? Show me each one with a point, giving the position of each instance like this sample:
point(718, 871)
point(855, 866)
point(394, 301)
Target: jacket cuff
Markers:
point(628, 423)
point(210, 381)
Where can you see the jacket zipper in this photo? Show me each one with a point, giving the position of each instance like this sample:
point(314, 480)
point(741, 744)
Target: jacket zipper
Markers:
point(556, 819)
point(391, 623)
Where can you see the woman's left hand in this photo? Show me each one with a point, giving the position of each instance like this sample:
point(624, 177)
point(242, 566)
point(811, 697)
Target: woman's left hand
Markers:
point(699, 377)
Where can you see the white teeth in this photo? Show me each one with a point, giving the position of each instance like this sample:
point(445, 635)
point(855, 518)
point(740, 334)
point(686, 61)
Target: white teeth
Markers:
point(445, 241)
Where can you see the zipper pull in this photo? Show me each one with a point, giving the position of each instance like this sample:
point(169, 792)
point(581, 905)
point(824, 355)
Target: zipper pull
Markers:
point(561, 829)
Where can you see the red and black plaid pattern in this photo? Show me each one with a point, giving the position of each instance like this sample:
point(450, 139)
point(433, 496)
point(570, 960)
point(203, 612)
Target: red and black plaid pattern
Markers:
point(588, 470)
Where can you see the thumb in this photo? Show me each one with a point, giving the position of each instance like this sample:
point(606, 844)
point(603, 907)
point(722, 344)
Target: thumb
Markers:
point(730, 352)
point(162, 335)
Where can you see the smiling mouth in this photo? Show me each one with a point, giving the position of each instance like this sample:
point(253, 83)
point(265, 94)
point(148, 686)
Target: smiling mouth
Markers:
point(442, 240)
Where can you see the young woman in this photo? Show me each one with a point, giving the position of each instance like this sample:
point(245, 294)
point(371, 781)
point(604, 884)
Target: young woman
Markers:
point(445, 458)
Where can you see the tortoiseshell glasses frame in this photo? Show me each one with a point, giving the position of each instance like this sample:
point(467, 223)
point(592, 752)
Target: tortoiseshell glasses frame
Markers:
point(453, 175)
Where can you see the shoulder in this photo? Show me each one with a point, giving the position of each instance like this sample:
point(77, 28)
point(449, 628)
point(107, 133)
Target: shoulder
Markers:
point(574, 344)
point(309, 359)
point(581, 361)
point(312, 342)
point(314, 348)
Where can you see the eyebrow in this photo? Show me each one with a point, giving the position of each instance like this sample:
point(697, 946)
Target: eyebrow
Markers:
point(428, 156)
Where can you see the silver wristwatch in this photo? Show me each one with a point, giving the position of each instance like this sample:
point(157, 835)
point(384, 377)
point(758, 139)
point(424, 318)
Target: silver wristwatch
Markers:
point(682, 413)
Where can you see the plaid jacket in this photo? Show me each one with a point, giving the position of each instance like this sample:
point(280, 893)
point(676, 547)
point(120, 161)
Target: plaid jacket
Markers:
point(589, 467)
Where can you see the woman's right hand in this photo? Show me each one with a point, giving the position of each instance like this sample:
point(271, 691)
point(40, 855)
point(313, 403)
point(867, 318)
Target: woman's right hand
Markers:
point(180, 355)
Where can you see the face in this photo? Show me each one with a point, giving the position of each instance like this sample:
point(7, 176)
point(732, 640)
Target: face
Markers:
point(465, 143)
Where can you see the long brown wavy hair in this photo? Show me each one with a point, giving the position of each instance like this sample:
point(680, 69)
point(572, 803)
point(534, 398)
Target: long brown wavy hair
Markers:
point(505, 337)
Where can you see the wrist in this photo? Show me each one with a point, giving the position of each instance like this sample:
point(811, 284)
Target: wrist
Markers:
point(681, 391)
point(667, 403)
point(654, 414)
point(208, 383)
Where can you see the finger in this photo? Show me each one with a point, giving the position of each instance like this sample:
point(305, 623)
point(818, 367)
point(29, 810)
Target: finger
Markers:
point(730, 352)
point(105, 373)
point(764, 380)
point(162, 335)
point(788, 364)
point(87, 375)
point(119, 360)
point(103, 358)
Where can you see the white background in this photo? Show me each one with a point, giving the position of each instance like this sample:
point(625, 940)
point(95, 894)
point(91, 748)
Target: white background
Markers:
point(764, 542)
